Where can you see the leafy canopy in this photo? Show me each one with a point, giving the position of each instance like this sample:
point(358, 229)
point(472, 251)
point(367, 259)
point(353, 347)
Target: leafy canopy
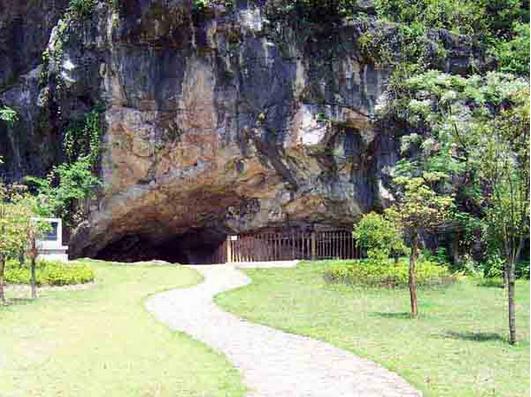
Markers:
point(419, 208)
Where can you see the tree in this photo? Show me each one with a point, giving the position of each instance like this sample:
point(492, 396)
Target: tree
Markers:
point(378, 236)
point(18, 228)
point(476, 130)
point(504, 152)
point(419, 209)
point(15, 217)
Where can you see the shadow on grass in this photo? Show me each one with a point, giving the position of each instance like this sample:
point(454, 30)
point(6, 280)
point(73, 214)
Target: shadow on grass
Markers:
point(475, 336)
point(17, 302)
point(391, 314)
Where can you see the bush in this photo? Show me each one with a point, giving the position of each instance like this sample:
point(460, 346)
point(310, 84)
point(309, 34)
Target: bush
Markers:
point(378, 236)
point(371, 273)
point(49, 273)
point(522, 269)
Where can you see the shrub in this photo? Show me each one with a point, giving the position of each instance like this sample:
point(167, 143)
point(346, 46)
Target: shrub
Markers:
point(373, 273)
point(378, 236)
point(50, 273)
point(522, 269)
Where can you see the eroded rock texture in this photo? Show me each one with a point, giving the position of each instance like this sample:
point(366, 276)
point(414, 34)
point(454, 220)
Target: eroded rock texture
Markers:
point(216, 122)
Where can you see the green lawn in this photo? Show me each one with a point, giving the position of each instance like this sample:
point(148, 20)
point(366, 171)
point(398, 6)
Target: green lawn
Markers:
point(456, 348)
point(102, 342)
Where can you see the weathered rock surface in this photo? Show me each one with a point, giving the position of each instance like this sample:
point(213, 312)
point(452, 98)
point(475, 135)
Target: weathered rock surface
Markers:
point(219, 121)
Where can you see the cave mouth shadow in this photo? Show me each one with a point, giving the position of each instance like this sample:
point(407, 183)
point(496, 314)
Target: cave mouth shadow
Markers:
point(195, 246)
point(474, 336)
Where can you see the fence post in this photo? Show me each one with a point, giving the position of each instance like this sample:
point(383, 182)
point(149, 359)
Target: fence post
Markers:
point(314, 246)
point(229, 250)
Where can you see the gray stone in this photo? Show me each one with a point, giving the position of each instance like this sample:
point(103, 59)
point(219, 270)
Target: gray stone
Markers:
point(224, 120)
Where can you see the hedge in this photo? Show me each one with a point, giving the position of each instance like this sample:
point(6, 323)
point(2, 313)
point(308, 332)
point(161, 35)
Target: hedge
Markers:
point(49, 273)
point(372, 273)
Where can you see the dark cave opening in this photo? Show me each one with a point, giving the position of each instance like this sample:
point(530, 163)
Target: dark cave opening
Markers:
point(196, 246)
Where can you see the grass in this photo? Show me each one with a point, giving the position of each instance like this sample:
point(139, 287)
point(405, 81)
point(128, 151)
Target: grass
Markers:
point(102, 342)
point(457, 347)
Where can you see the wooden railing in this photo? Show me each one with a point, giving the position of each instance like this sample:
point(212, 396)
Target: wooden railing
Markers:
point(289, 245)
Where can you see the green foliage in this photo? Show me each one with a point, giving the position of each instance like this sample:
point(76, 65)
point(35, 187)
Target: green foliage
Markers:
point(52, 56)
point(50, 273)
point(82, 8)
point(375, 48)
point(64, 187)
point(374, 273)
point(82, 139)
point(493, 267)
point(68, 184)
point(439, 256)
point(419, 208)
point(513, 53)
point(8, 115)
point(458, 16)
point(522, 269)
point(17, 207)
point(502, 153)
point(475, 130)
point(500, 26)
point(378, 236)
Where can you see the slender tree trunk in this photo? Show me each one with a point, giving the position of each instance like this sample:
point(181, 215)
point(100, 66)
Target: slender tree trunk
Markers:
point(412, 282)
point(2, 268)
point(21, 258)
point(33, 254)
point(505, 275)
point(510, 295)
point(33, 279)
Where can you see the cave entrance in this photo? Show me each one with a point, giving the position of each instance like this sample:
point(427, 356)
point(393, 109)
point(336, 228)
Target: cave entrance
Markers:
point(196, 246)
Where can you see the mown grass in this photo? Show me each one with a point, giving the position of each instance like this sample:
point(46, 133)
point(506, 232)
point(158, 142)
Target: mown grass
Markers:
point(102, 342)
point(457, 347)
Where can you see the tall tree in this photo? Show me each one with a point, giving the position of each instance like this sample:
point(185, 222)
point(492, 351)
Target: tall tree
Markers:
point(504, 152)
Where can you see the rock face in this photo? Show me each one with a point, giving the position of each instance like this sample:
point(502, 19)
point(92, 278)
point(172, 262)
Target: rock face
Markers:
point(216, 122)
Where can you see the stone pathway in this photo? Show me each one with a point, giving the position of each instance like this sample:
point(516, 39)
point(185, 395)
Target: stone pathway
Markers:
point(273, 363)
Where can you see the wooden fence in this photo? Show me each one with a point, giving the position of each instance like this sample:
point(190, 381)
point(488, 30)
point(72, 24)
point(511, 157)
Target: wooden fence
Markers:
point(275, 246)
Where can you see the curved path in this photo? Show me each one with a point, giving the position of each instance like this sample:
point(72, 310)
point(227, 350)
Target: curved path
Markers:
point(273, 363)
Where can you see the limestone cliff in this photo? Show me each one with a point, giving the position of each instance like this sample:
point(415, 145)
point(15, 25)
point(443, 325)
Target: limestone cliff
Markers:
point(216, 121)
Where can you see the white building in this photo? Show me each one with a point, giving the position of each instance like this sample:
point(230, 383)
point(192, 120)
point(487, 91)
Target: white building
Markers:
point(50, 246)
